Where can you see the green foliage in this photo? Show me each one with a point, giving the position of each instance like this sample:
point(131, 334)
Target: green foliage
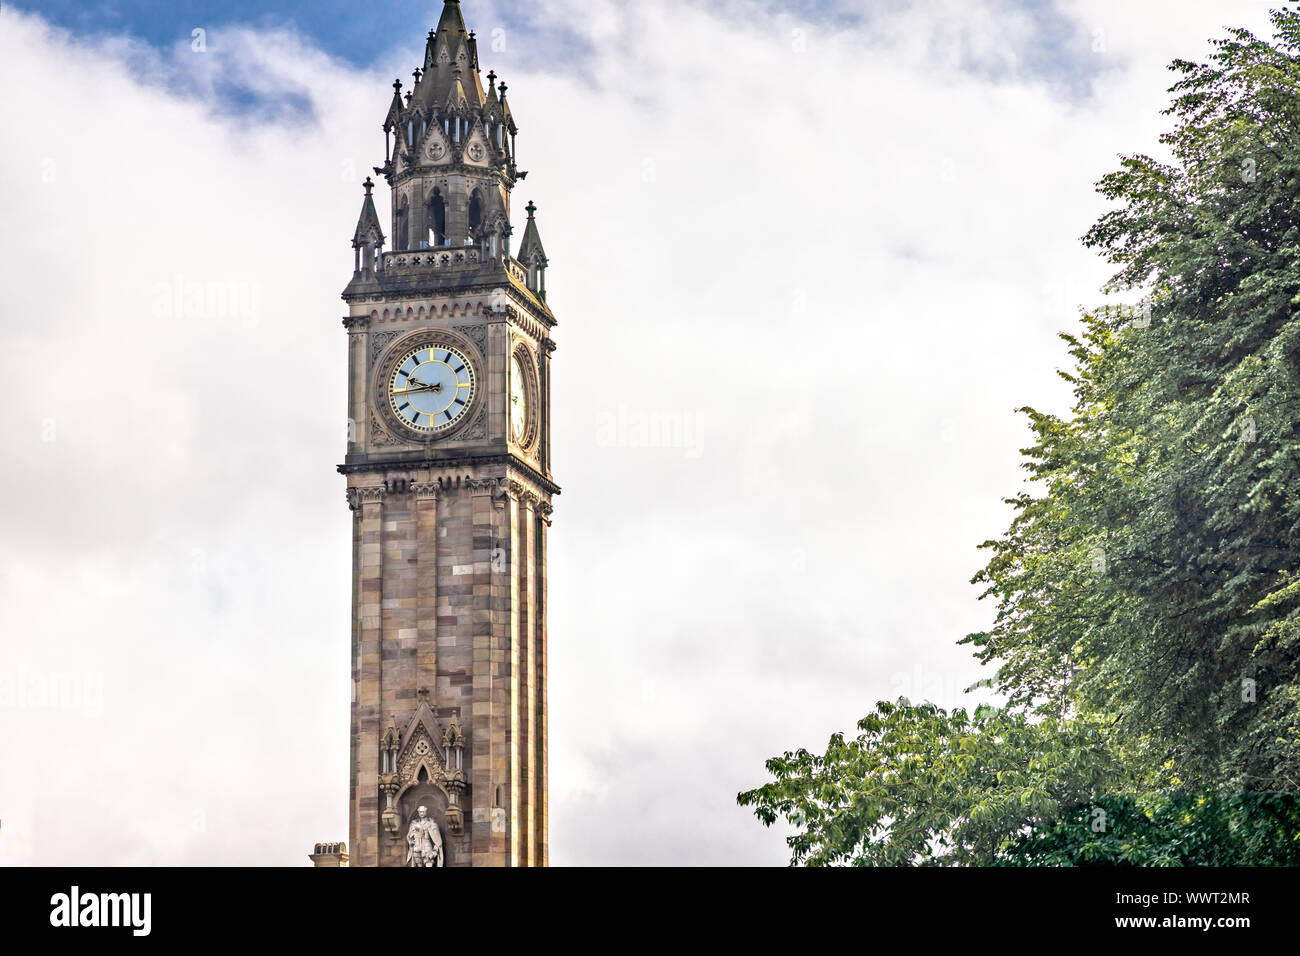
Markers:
point(921, 786)
point(1155, 574)
point(1147, 634)
point(1179, 829)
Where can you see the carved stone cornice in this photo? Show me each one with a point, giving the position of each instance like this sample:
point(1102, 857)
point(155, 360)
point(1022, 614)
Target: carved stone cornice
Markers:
point(409, 287)
point(415, 460)
point(528, 325)
point(357, 324)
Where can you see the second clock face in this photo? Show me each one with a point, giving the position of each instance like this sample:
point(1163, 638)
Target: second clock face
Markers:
point(518, 401)
point(432, 388)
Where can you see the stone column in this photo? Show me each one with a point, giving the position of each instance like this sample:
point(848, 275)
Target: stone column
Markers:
point(370, 502)
point(358, 367)
point(505, 609)
point(487, 738)
point(527, 657)
point(544, 389)
point(426, 516)
point(542, 801)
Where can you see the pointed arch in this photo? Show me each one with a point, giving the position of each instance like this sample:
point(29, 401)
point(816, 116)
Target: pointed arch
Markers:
point(437, 218)
point(475, 211)
point(401, 224)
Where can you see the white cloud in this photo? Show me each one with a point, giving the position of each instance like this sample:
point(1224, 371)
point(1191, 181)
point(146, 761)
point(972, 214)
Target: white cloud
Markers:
point(824, 278)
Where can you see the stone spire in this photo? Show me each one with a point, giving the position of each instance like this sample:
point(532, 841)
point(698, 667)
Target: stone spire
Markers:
point(449, 149)
point(368, 229)
point(533, 256)
point(395, 108)
point(531, 244)
point(367, 242)
point(451, 72)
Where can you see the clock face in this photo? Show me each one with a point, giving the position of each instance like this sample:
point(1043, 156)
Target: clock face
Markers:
point(518, 400)
point(432, 388)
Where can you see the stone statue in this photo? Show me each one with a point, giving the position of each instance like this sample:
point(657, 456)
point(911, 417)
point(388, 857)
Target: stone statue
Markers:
point(423, 841)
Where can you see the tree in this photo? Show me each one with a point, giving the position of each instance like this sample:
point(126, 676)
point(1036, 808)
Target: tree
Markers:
point(922, 786)
point(1147, 633)
point(1155, 577)
point(1178, 829)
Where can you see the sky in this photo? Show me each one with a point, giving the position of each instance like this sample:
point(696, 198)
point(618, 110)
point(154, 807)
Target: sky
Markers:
point(808, 259)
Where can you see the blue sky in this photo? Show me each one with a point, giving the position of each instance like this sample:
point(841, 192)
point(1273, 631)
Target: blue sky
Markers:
point(358, 34)
point(1052, 50)
point(354, 32)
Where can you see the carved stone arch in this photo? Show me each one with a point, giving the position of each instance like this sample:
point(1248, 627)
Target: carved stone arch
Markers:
point(432, 781)
point(421, 748)
point(522, 354)
point(402, 222)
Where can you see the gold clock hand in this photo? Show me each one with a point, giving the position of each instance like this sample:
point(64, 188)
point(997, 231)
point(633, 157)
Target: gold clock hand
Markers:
point(423, 388)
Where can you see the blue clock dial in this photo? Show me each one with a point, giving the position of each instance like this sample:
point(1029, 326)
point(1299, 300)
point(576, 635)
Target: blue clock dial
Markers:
point(432, 388)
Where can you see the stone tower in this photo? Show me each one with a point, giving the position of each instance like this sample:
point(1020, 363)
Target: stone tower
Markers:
point(449, 481)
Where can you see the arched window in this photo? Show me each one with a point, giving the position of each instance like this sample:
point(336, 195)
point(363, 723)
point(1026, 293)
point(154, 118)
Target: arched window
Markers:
point(438, 218)
point(401, 240)
point(475, 212)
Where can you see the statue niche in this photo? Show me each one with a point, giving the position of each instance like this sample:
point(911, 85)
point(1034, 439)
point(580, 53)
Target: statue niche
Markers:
point(424, 846)
point(422, 807)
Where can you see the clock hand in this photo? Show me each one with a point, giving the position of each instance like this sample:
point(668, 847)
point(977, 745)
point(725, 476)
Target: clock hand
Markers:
point(423, 388)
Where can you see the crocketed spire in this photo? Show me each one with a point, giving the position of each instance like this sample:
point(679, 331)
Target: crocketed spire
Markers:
point(451, 73)
point(369, 232)
point(531, 245)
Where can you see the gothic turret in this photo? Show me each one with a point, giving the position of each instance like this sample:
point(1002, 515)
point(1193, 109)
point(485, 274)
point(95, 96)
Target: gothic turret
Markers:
point(368, 240)
point(533, 256)
point(450, 149)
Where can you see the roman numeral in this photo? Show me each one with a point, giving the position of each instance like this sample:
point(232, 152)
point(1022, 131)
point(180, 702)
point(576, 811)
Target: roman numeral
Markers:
point(459, 370)
point(405, 407)
point(448, 414)
point(460, 401)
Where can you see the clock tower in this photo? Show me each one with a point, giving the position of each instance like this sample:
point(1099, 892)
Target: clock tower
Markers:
point(449, 483)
